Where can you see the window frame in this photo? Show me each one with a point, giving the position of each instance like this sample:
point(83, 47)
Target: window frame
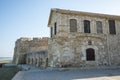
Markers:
point(87, 26)
point(51, 31)
point(99, 27)
point(55, 28)
point(73, 25)
point(112, 27)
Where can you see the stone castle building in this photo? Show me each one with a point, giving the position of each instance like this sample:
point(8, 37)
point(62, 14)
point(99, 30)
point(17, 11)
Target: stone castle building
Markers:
point(78, 39)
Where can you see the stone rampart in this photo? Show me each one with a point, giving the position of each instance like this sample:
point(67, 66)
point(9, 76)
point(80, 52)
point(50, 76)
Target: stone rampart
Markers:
point(28, 45)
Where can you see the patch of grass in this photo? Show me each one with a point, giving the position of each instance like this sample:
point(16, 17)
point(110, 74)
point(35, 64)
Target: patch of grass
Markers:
point(7, 73)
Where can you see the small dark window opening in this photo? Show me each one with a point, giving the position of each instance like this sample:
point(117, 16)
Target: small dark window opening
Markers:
point(46, 62)
point(35, 61)
point(55, 28)
point(89, 42)
point(41, 61)
point(112, 28)
point(32, 61)
point(86, 26)
point(99, 27)
point(90, 54)
point(28, 60)
point(51, 30)
point(73, 25)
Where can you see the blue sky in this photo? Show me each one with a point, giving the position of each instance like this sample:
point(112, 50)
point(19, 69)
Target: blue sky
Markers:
point(29, 18)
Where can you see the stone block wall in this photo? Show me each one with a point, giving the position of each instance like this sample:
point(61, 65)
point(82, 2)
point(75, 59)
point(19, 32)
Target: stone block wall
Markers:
point(69, 48)
point(72, 49)
point(71, 52)
point(28, 45)
point(39, 59)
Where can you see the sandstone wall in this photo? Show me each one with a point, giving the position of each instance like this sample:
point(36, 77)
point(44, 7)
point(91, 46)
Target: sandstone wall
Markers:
point(39, 58)
point(71, 52)
point(28, 45)
point(68, 48)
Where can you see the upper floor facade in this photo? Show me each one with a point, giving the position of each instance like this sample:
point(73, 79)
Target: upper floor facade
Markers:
point(66, 22)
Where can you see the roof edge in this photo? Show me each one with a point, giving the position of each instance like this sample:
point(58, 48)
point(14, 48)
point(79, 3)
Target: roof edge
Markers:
point(63, 11)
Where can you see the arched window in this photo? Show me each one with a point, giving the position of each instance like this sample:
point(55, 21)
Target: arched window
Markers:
point(99, 27)
point(86, 26)
point(90, 54)
point(73, 25)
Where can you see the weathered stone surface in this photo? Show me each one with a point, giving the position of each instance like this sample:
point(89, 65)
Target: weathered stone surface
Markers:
point(68, 49)
point(29, 51)
point(73, 47)
point(39, 59)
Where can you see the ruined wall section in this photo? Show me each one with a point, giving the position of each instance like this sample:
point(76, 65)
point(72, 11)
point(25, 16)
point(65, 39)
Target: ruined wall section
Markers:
point(28, 45)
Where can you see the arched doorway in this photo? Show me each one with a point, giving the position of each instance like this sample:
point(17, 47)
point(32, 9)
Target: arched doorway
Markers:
point(90, 54)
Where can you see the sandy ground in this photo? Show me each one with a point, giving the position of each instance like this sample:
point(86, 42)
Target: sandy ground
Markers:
point(5, 61)
point(98, 74)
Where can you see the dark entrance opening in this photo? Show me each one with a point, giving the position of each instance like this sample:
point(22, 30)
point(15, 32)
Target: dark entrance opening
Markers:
point(90, 54)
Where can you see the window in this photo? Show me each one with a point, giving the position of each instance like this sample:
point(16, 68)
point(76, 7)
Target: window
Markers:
point(55, 28)
point(112, 29)
point(86, 26)
point(90, 54)
point(73, 25)
point(41, 61)
point(51, 30)
point(35, 61)
point(99, 27)
point(89, 42)
point(32, 60)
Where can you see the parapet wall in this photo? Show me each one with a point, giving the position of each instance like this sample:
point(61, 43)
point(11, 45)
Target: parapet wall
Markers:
point(28, 45)
point(31, 39)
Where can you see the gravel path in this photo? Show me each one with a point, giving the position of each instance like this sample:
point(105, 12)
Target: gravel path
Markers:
point(107, 74)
